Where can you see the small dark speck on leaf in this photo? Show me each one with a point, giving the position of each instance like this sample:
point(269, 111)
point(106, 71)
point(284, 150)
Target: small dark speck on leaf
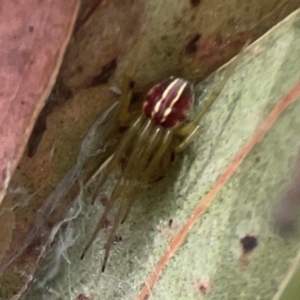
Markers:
point(170, 223)
point(191, 46)
point(146, 297)
point(83, 296)
point(117, 239)
point(204, 285)
point(257, 159)
point(103, 199)
point(249, 242)
point(195, 3)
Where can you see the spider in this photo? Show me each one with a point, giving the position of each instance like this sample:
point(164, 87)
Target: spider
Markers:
point(165, 124)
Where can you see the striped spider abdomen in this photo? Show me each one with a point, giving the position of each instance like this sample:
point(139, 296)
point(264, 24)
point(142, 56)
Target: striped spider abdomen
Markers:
point(169, 103)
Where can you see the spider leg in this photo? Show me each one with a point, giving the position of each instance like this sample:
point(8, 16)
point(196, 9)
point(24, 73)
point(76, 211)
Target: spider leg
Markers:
point(131, 177)
point(166, 161)
point(166, 141)
point(122, 186)
point(115, 195)
point(190, 129)
point(134, 172)
point(124, 118)
point(121, 149)
point(187, 140)
point(155, 139)
point(165, 144)
point(119, 187)
point(124, 115)
point(112, 235)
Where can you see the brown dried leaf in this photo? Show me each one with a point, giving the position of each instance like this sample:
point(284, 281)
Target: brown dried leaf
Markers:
point(34, 36)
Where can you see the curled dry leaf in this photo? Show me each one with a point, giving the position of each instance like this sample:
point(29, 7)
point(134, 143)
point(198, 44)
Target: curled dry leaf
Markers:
point(34, 36)
point(32, 48)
